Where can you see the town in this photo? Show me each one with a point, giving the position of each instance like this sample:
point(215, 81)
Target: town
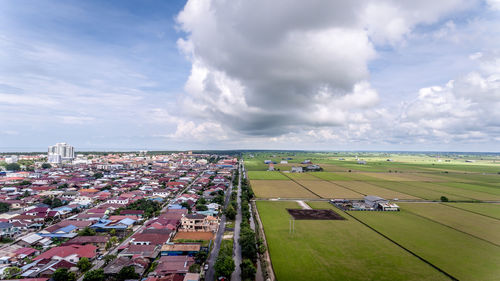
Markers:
point(90, 217)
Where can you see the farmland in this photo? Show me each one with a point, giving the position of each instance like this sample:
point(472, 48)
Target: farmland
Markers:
point(461, 237)
point(463, 256)
point(335, 250)
point(279, 188)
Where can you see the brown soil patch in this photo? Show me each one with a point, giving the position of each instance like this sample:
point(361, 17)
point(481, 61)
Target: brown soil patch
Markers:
point(320, 214)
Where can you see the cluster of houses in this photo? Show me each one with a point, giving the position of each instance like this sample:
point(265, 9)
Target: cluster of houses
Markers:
point(61, 214)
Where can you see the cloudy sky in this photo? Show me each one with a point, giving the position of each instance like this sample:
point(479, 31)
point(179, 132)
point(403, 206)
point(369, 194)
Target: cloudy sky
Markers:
point(234, 74)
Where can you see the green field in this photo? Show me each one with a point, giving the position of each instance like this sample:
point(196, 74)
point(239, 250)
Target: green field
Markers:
point(330, 190)
point(335, 250)
point(371, 189)
point(459, 254)
point(266, 175)
point(476, 225)
point(419, 190)
point(485, 209)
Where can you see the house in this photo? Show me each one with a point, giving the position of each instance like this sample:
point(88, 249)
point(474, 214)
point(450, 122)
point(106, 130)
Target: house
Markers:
point(173, 265)
point(198, 222)
point(70, 253)
point(192, 277)
point(33, 240)
point(106, 225)
point(146, 251)
point(118, 200)
point(151, 237)
point(140, 265)
point(139, 213)
point(97, 240)
point(180, 249)
point(8, 229)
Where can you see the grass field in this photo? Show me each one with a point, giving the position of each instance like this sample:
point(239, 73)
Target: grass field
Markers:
point(335, 250)
point(485, 209)
point(279, 188)
point(301, 176)
point(418, 191)
point(455, 191)
point(370, 189)
point(477, 225)
point(461, 255)
point(327, 189)
point(265, 175)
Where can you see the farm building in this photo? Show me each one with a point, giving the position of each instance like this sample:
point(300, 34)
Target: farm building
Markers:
point(297, 169)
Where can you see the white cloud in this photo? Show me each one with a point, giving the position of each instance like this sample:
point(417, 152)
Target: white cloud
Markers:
point(267, 69)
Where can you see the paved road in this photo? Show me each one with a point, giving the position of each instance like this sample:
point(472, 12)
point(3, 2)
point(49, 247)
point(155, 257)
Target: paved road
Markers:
point(210, 274)
point(236, 276)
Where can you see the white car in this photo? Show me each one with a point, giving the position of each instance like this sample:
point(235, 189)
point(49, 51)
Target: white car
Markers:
point(206, 267)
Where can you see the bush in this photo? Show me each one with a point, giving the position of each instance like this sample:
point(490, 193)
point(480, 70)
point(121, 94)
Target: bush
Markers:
point(230, 212)
point(444, 199)
point(84, 264)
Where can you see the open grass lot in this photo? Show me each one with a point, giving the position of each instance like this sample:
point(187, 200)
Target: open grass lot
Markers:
point(485, 209)
point(420, 190)
point(330, 190)
point(461, 255)
point(370, 189)
point(266, 175)
point(477, 225)
point(335, 250)
point(279, 188)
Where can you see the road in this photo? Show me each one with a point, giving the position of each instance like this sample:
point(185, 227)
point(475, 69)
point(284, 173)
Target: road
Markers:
point(210, 274)
point(236, 276)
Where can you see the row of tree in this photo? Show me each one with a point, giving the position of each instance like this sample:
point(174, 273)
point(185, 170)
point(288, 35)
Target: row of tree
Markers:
point(248, 240)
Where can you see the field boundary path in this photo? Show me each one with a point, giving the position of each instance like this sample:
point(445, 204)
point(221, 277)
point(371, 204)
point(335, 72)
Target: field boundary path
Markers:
point(236, 276)
point(259, 276)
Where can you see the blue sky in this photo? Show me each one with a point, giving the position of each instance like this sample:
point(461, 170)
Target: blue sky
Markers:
point(122, 75)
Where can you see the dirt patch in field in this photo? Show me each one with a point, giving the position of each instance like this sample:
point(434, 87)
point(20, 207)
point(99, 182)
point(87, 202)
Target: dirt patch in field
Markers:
point(194, 236)
point(321, 214)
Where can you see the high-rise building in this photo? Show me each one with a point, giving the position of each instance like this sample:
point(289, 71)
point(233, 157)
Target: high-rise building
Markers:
point(60, 152)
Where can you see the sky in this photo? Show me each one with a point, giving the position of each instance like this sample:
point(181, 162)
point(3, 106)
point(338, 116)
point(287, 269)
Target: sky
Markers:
point(233, 74)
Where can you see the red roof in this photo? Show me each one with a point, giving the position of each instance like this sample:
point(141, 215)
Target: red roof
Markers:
point(87, 251)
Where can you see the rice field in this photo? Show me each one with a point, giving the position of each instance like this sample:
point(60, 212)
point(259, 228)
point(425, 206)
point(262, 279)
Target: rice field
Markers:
point(370, 189)
point(335, 249)
point(331, 190)
point(279, 189)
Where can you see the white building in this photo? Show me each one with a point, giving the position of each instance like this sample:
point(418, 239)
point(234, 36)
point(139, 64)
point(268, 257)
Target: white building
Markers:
point(11, 159)
point(60, 152)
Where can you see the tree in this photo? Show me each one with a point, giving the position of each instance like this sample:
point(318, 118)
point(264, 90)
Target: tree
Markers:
point(10, 272)
point(127, 272)
point(94, 275)
point(224, 266)
point(248, 243)
point(247, 270)
point(444, 199)
point(56, 203)
point(201, 207)
point(201, 257)
point(109, 258)
point(84, 264)
point(4, 207)
point(62, 274)
point(98, 175)
point(194, 268)
point(230, 212)
point(87, 231)
point(46, 166)
point(13, 167)
point(25, 182)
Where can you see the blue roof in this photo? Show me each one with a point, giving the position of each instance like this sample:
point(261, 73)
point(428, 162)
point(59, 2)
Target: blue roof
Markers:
point(66, 229)
point(127, 221)
point(62, 208)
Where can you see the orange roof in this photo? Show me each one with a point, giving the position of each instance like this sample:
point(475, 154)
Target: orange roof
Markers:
point(89, 190)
